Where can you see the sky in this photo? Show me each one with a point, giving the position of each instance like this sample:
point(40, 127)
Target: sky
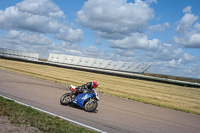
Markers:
point(162, 33)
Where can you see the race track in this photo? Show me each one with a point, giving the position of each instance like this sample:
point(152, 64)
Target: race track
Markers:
point(113, 115)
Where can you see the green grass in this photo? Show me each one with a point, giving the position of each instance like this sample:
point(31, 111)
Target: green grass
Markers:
point(166, 95)
point(23, 115)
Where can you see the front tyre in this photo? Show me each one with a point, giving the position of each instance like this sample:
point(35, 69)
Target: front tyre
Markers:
point(65, 99)
point(90, 105)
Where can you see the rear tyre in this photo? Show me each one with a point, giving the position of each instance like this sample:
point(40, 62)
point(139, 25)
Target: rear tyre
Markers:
point(90, 105)
point(65, 99)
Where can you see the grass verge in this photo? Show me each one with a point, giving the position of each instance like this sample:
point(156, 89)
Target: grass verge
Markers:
point(23, 115)
point(166, 95)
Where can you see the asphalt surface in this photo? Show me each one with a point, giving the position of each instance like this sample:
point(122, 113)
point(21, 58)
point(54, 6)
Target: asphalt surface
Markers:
point(113, 115)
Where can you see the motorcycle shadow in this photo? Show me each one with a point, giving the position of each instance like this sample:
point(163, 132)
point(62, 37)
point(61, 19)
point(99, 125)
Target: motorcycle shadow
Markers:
point(78, 107)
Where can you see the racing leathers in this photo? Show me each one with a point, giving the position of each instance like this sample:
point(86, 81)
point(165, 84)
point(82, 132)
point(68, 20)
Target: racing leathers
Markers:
point(84, 88)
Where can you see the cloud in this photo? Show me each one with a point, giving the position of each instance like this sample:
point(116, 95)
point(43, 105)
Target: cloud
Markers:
point(187, 58)
point(186, 22)
point(188, 30)
point(73, 52)
point(91, 51)
point(94, 52)
point(176, 67)
point(171, 60)
point(189, 40)
point(98, 42)
point(159, 27)
point(70, 35)
point(40, 7)
point(41, 16)
point(25, 38)
point(169, 53)
point(135, 41)
point(165, 52)
point(121, 23)
point(38, 43)
point(197, 26)
point(28, 41)
point(187, 9)
point(183, 60)
point(125, 52)
point(174, 63)
point(33, 15)
point(189, 71)
point(151, 1)
point(114, 19)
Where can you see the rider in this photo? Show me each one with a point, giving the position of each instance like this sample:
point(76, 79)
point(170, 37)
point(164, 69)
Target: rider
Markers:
point(86, 87)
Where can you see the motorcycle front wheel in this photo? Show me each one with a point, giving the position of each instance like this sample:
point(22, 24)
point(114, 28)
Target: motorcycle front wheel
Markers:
point(90, 105)
point(65, 99)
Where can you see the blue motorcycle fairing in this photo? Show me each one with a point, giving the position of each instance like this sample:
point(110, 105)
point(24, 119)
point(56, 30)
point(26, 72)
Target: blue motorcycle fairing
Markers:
point(81, 98)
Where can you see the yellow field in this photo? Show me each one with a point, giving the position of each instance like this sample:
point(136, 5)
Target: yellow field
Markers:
point(166, 95)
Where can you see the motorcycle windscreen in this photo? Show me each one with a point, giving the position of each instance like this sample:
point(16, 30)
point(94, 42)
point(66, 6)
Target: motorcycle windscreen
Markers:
point(80, 99)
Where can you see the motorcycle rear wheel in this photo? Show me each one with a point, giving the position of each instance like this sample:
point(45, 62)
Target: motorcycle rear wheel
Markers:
point(90, 105)
point(65, 99)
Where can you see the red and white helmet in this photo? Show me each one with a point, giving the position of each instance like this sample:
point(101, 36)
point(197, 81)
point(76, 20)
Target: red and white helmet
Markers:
point(94, 84)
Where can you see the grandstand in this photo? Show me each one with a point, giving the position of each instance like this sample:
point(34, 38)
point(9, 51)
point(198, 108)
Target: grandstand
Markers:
point(15, 54)
point(77, 62)
point(98, 63)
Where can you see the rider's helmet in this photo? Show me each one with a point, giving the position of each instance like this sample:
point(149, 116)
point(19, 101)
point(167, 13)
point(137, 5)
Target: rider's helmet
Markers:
point(94, 84)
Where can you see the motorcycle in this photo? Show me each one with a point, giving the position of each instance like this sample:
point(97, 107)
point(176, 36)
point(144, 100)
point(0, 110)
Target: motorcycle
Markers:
point(86, 100)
